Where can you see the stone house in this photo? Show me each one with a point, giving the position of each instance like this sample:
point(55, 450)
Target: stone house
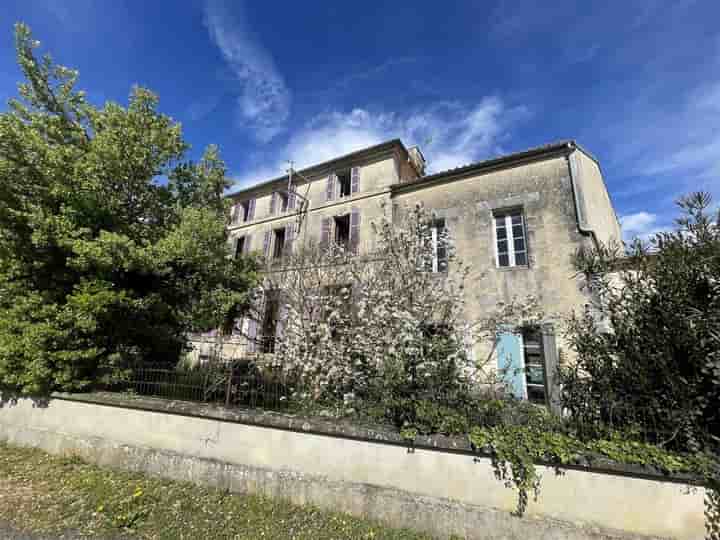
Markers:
point(515, 219)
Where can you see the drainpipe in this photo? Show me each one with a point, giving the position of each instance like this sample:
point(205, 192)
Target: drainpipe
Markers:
point(583, 226)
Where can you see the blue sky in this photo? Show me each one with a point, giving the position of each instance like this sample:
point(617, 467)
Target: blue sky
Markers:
point(636, 82)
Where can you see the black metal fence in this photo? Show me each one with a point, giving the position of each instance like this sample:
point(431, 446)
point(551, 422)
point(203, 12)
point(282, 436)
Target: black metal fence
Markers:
point(228, 384)
point(245, 384)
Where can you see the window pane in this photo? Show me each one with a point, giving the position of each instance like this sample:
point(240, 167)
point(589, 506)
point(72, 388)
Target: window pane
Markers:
point(501, 233)
point(518, 231)
point(502, 246)
point(517, 219)
point(520, 259)
point(535, 374)
point(519, 244)
point(500, 221)
point(536, 394)
point(503, 260)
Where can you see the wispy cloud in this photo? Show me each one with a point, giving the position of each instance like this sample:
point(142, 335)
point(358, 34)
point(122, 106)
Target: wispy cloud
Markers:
point(264, 101)
point(641, 225)
point(450, 133)
point(683, 143)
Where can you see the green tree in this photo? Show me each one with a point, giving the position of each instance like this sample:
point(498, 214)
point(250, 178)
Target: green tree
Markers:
point(113, 246)
point(654, 362)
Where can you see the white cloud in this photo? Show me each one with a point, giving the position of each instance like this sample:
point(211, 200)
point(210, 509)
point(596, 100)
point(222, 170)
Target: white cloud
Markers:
point(641, 225)
point(264, 102)
point(450, 134)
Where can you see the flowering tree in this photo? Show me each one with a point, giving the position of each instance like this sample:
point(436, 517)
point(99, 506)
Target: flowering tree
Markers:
point(383, 327)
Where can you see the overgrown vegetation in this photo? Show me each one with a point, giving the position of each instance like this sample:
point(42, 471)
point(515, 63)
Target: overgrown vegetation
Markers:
point(52, 495)
point(112, 243)
point(644, 386)
point(382, 333)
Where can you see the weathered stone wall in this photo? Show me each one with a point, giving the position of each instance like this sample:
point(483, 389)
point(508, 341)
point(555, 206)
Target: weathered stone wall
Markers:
point(376, 176)
point(543, 190)
point(442, 490)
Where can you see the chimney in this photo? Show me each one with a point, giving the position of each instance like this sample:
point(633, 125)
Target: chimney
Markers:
point(417, 159)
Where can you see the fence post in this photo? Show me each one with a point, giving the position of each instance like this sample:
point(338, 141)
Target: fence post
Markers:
point(228, 387)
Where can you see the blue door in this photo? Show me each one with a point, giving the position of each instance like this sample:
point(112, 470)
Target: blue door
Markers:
point(511, 367)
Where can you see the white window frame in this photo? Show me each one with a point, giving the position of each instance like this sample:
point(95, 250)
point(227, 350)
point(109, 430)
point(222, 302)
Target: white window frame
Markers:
point(434, 239)
point(508, 215)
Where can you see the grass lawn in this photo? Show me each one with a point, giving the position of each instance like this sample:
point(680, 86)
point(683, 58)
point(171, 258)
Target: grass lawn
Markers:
point(50, 495)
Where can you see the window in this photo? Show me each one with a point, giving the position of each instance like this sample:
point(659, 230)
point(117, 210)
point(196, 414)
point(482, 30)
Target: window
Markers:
point(510, 239)
point(244, 211)
point(344, 183)
point(342, 230)
point(270, 323)
point(278, 243)
point(438, 235)
point(239, 247)
point(534, 365)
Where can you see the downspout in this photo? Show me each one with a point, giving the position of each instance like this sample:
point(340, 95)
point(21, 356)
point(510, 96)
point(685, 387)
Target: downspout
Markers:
point(583, 226)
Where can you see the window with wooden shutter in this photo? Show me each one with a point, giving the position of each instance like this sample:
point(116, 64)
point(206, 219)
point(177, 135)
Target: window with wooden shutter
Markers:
point(269, 321)
point(355, 230)
point(344, 183)
point(330, 188)
point(239, 248)
point(251, 209)
point(235, 213)
point(279, 238)
point(341, 225)
point(534, 357)
point(355, 180)
point(246, 243)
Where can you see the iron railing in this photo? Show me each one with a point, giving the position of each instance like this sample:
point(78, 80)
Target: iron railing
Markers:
point(226, 383)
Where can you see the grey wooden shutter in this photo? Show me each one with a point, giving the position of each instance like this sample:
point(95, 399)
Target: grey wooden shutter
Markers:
point(251, 209)
point(550, 354)
point(354, 179)
point(354, 230)
point(266, 243)
point(325, 228)
point(291, 198)
point(273, 203)
point(330, 187)
point(234, 213)
point(289, 238)
point(246, 244)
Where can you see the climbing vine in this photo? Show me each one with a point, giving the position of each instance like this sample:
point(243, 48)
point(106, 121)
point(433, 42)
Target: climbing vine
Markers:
point(516, 450)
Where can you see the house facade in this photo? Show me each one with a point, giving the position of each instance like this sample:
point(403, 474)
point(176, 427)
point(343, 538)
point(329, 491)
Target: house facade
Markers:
point(516, 220)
